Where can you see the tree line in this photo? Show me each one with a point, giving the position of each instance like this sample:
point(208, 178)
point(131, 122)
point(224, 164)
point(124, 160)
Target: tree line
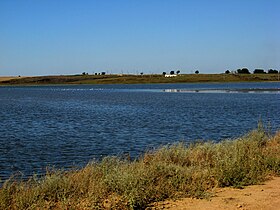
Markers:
point(238, 71)
point(256, 71)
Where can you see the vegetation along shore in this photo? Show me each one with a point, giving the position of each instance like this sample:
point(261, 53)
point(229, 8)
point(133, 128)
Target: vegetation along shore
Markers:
point(139, 79)
point(170, 172)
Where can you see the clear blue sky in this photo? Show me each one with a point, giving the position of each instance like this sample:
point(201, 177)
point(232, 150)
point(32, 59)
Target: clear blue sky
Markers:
point(43, 37)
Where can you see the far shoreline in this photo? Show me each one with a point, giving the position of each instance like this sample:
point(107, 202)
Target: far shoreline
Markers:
point(135, 79)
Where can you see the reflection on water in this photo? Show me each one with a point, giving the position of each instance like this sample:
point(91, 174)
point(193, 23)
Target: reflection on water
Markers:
point(251, 90)
point(63, 126)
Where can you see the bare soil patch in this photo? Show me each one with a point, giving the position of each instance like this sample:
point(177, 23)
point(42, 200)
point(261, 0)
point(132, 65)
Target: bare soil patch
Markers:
point(255, 197)
point(6, 78)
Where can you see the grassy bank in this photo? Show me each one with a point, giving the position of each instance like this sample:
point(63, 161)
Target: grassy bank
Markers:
point(139, 79)
point(169, 172)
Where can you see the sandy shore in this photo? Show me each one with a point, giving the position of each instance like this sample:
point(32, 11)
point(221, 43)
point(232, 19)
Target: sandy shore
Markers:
point(256, 197)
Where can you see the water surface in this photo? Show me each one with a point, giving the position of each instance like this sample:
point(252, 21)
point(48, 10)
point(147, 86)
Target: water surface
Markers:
point(66, 126)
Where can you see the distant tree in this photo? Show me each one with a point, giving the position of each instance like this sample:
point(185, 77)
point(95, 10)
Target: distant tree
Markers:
point(96, 74)
point(84, 73)
point(164, 73)
point(141, 73)
point(197, 72)
point(227, 72)
point(271, 71)
point(243, 71)
point(172, 72)
point(259, 71)
point(178, 72)
point(103, 73)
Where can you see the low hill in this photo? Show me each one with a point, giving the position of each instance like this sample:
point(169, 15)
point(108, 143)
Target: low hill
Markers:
point(137, 79)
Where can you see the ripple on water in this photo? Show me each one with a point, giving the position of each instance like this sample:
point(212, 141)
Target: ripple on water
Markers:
point(63, 126)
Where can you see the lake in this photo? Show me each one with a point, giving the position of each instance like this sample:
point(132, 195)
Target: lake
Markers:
point(65, 126)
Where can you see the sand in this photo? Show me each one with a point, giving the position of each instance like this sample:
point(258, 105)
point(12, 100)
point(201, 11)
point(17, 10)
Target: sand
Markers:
point(256, 197)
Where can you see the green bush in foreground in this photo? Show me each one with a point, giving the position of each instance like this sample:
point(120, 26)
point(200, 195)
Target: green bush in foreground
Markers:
point(167, 173)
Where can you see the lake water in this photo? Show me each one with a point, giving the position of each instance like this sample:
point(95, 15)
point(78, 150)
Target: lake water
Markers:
point(66, 126)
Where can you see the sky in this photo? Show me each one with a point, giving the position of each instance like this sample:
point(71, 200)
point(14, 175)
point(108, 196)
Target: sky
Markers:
point(54, 37)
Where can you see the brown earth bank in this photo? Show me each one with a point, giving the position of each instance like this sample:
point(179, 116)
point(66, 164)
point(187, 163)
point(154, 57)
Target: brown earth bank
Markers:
point(255, 197)
point(6, 78)
point(139, 79)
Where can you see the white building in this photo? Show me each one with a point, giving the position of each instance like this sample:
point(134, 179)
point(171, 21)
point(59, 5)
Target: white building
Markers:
point(171, 75)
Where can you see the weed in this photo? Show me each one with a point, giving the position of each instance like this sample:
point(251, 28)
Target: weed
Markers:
point(169, 172)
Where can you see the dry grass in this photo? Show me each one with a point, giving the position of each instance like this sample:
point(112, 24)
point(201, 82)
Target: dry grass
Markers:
point(170, 172)
point(138, 79)
point(7, 78)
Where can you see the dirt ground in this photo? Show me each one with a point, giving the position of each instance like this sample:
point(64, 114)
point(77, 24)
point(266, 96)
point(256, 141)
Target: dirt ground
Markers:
point(256, 197)
point(6, 78)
